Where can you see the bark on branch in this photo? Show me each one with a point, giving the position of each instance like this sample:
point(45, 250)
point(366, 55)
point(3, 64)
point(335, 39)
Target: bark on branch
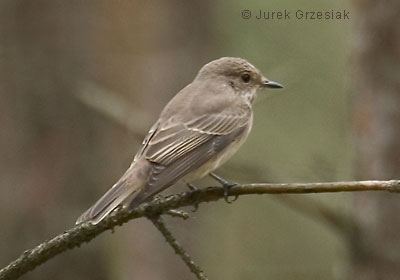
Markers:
point(86, 232)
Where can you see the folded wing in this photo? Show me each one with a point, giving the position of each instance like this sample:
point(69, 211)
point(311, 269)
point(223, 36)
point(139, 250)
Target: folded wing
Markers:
point(176, 150)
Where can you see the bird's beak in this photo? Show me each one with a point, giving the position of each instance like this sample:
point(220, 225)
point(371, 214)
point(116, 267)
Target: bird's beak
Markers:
point(270, 84)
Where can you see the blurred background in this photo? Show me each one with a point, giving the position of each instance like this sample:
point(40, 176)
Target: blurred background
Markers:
point(81, 82)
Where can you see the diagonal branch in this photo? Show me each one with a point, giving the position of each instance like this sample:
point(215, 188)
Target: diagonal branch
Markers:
point(86, 232)
point(160, 225)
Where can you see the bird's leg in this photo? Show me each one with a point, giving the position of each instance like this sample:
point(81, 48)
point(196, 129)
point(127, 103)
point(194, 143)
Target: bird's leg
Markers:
point(226, 184)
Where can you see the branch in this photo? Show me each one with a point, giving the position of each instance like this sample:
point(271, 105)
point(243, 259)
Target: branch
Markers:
point(159, 224)
point(85, 232)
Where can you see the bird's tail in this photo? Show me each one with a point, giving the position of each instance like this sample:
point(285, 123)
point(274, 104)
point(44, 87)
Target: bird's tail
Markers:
point(121, 193)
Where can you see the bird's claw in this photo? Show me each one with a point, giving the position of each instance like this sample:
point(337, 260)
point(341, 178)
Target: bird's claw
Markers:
point(226, 185)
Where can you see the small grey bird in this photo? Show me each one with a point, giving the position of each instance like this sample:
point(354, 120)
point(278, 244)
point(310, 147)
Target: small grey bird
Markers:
point(198, 130)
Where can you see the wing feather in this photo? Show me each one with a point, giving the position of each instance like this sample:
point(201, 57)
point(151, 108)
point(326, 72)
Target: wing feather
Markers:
point(175, 147)
point(163, 176)
point(176, 150)
point(174, 142)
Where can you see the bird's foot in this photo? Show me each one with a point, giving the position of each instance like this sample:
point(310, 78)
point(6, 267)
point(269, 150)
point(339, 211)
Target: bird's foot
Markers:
point(226, 185)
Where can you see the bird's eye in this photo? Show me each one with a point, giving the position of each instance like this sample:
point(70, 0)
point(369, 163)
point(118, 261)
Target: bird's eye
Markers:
point(245, 77)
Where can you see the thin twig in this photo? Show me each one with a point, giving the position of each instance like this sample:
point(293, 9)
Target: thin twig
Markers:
point(160, 225)
point(178, 213)
point(85, 232)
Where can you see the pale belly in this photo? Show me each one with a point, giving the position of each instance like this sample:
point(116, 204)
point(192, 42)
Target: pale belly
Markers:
point(218, 159)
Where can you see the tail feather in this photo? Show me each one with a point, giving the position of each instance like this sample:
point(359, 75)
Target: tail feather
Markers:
point(107, 203)
point(122, 192)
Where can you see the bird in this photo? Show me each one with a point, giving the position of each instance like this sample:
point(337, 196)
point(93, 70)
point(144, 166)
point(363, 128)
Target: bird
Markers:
point(199, 129)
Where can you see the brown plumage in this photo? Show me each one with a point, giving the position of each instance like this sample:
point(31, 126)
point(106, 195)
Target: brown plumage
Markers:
point(198, 130)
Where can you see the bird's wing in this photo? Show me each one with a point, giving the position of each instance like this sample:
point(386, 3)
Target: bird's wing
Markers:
point(177, 149)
